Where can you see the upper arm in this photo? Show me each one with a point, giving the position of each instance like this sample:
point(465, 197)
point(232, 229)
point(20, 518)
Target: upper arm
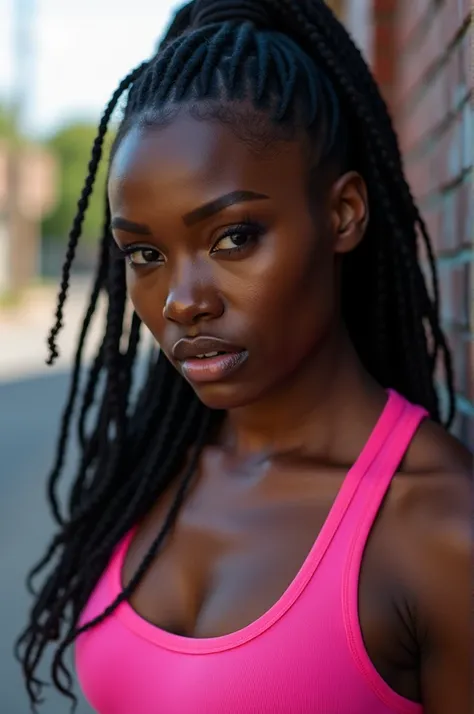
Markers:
point(444, 595)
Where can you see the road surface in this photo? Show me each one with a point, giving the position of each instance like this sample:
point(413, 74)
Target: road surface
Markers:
point(28, 424)
point(31, 398)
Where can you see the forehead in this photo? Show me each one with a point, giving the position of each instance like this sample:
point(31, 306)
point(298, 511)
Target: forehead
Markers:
point(192, 155)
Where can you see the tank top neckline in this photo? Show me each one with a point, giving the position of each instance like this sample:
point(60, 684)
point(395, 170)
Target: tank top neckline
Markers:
point(179, 643)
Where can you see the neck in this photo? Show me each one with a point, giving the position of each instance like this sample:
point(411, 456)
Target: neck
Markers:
point(327, 393)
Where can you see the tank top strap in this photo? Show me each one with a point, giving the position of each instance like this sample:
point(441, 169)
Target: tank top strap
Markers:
point(405, 418)
point(401, 421)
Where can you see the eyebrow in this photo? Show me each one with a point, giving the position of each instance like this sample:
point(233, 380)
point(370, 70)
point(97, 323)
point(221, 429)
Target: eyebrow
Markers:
point(220, 204)
point(122, 224)
point(196, 216)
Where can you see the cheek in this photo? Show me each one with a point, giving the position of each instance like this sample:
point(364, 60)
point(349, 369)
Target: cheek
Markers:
point(148, 300)
point(297, 296)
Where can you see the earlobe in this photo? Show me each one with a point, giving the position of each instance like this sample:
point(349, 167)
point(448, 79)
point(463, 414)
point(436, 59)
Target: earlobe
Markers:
point(350, 212)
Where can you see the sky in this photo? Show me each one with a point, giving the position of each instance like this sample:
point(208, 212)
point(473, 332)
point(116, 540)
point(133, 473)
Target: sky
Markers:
point(80, 50)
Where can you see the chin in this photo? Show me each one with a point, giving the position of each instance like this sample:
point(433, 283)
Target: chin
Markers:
point(222, 396)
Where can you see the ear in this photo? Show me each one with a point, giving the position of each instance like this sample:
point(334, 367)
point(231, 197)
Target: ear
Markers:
point(349, 208)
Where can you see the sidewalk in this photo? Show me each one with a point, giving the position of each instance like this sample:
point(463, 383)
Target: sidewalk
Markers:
point(24, 330)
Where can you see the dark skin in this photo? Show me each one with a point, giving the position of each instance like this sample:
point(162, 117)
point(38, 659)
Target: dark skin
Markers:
point(299, 410)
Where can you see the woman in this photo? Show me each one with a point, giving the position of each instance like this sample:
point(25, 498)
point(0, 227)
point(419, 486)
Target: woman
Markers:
point(270, 525)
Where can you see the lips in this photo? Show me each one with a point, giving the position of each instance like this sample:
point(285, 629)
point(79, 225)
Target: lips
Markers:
point(200, 347)
point(208, 359)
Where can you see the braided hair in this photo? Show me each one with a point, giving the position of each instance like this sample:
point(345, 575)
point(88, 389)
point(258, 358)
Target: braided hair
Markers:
point(298, 67)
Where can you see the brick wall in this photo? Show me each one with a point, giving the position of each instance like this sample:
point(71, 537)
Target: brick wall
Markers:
point(422, 57)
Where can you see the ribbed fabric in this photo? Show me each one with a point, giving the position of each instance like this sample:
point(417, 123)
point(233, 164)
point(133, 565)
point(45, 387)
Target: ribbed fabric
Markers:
point(303, 656)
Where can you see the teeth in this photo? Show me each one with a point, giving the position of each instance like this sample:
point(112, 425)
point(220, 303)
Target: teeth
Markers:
point(206, 356)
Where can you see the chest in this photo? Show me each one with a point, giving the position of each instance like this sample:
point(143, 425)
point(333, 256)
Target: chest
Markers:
point(236, 549)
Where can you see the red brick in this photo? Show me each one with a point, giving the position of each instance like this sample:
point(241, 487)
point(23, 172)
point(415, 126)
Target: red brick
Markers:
point(410, 14)
point(464, 215)
point(465, 52)
point(464, 9)
point(450, 148)
point(460, 296)
point(450, 19)
point(408, 130)
point(446, 158)
point(384, 52)
point(431, 108)
point(429, 111)
point(426, 174)
point(419, 59)
point(448, 237)
point(457, 88)
point(459, 347)
point(421, 55)
point(446, 92)
point(432, 219)
point(436, 162)
point(419, 179)
point(384, 8)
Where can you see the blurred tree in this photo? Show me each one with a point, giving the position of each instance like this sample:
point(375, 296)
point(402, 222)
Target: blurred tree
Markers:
point(8, 129)
point(71, 146)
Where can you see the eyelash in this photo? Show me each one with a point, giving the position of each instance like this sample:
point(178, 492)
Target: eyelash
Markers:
point(126, 253)
point(248, 227)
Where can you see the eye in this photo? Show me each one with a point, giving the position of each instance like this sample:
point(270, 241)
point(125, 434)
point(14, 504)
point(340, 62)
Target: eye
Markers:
point(137, 256)
point(238, 238)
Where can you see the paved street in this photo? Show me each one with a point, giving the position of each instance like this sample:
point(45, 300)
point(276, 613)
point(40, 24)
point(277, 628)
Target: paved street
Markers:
point(30, 402)
point(23, 331)
point(28, 424)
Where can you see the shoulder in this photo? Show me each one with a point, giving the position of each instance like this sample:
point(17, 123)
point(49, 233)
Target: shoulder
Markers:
point(431, 511)
point(431, 537)
point(435, 449)
point(433, 493)
point(435, 476)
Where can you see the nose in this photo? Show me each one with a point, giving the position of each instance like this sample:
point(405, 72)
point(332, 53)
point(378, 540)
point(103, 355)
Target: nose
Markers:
point(192, 296)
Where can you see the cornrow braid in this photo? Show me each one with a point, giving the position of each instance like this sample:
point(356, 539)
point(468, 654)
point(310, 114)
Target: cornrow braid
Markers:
point(304, 77)
point(312, 18)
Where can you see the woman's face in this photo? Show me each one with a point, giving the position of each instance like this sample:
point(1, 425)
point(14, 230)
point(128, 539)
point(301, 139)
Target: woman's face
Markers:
point(225, 256)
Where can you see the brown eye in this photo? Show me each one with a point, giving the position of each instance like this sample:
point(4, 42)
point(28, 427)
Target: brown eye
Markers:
point(238, 238)
point(144, 256)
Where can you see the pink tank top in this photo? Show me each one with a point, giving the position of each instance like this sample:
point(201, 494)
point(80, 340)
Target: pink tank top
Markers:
point(305, 655)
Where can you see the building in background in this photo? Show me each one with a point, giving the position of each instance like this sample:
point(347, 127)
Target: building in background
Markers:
point(421, 52)
point(27, 192)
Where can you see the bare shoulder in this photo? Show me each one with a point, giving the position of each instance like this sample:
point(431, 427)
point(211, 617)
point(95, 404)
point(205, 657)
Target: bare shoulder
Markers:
point(431, 516)
point(434, 488)
point(435, 449)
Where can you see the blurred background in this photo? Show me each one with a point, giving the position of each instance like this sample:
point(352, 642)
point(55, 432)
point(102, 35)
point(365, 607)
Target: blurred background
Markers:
point(59, 64)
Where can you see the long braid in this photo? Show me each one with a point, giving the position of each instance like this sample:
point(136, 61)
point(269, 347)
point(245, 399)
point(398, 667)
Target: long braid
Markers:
point(111, 447)
point(314, 27)
point(299, 67)
point(98, 286)
point(89, 394)
point(329, 24)
point(173, 458)
point(83, 204)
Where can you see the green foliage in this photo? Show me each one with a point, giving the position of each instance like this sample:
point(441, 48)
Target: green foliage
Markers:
point(8, 129)
point(72, 147)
